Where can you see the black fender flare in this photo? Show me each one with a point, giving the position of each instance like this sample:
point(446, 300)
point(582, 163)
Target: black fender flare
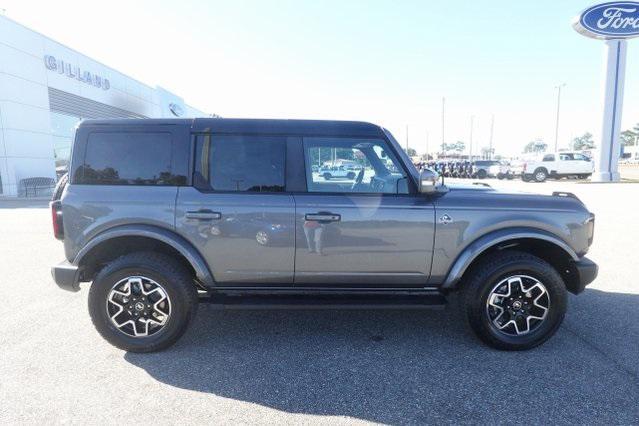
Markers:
point(487, 241)
point(163, 235)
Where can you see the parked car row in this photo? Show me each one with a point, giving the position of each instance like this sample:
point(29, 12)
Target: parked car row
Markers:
point(538, 169)
point(480, 169)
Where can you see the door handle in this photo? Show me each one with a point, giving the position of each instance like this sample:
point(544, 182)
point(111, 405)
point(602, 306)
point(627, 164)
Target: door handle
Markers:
point(323, 217)
point(203, 215)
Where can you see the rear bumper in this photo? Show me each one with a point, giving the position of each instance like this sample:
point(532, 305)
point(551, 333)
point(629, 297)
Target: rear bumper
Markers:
point(587, 272)
point(66, 276)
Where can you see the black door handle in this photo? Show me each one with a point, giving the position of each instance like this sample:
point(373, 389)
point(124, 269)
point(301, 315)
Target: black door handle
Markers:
point(203, 215)
point(323, 217)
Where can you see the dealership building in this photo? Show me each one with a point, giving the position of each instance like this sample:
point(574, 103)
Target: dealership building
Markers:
point(45, 89)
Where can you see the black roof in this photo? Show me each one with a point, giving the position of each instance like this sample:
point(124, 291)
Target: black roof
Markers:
point(262, 126)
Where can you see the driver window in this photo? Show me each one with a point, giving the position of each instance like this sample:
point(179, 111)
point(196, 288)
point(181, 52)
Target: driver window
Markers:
point(348, 165)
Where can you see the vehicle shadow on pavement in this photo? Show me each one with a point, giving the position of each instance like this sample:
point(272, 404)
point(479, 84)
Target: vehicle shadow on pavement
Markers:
point(407, 366)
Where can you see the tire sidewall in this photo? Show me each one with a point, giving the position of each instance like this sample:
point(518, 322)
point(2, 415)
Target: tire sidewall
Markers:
point(98, 302)
point(555, 287)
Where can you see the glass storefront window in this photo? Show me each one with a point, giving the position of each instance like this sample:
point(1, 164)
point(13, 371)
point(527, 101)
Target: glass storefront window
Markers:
point(62, 130)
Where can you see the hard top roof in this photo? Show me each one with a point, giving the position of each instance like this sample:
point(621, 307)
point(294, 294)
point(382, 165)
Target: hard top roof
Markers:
point(254, 126)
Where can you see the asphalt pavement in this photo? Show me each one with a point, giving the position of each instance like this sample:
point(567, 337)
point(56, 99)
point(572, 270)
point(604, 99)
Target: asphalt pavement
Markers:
point(288, 367)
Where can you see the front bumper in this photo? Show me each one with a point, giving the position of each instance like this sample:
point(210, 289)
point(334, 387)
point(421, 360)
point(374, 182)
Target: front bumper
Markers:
point(586, 273)
point(66, 276)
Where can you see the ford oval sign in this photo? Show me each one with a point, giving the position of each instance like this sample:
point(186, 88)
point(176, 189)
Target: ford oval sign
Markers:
point(612, 20)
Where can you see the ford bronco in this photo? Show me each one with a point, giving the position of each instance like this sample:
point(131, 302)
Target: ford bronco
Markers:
point(161, 214)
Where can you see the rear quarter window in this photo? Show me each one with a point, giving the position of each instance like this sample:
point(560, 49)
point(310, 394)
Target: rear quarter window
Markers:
point(128, 158)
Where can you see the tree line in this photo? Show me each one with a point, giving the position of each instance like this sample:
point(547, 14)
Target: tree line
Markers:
point(585, 142)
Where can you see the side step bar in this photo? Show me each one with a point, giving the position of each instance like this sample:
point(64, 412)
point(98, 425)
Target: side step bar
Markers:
point(325, 301)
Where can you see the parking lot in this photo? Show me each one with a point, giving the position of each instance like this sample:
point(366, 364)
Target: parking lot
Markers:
point(321, 366)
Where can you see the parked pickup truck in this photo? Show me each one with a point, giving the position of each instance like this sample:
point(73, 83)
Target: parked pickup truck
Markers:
point(558, 165)
point(160, 214)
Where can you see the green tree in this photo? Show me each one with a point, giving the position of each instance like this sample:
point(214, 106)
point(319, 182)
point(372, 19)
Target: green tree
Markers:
point(537, 145)
point(411, 152)
point(458, 146)
point(628, 137)
point(583, 142)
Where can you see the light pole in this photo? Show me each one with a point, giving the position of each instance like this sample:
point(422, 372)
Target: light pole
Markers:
point(426, 144)
point(407, 140)
point(470, 148)
point(490, 143)
point(557, 123)
point(443, 135)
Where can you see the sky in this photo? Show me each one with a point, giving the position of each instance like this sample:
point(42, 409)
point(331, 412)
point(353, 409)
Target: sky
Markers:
point(386, 62)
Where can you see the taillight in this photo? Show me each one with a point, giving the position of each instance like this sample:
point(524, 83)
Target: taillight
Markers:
point(56, 219)
point(590, 228)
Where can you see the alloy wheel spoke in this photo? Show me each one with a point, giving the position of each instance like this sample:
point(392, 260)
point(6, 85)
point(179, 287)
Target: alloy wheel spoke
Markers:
point(517, 305)
point(138, 306)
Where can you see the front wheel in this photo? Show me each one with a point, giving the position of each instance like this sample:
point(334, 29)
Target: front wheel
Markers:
point(142, 302)
point(540, 175)
point(513, 300)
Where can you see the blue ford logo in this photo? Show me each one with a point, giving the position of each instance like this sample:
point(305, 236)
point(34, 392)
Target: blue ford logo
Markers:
point(176, 109)
point(609, 20)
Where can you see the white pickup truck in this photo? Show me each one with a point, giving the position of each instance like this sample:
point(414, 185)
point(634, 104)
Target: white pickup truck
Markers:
point(558, 165)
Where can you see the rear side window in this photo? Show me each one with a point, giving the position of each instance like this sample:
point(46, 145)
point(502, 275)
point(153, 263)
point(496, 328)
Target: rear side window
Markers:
point(240, 163)
point(128, 158)
point(549, 157)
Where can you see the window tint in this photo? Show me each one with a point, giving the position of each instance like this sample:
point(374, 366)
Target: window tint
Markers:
point(128, 158)
point(352, 165)
point(549, 157)
point(240, 163)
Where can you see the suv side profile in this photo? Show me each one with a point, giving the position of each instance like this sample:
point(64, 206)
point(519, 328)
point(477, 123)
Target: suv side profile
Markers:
point(160, 214)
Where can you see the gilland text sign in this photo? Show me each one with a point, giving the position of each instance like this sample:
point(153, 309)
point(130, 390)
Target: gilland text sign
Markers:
point(74, 71)
point(614, 20)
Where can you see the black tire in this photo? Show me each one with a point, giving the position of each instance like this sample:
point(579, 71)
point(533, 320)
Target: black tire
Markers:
point(583, 176)
point(350, 175)
point(59, 187)
point(540, 175)
point(171, 275)
point(482, 174)
point(327, 176)
point(482, 279)
point(500, 176)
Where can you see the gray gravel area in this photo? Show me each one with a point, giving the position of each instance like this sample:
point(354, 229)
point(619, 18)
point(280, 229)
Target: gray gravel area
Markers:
point(290, 367)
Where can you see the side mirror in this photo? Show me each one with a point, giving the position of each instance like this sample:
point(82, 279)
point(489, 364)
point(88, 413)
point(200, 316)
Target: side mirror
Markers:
point(428, 181)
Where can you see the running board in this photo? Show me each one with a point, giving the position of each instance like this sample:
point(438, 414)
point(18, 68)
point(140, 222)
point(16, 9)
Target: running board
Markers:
point(325, 301)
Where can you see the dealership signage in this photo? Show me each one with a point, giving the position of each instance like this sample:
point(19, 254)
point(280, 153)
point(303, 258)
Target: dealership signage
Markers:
point(74, 71)
point(609, 20)
point(614, 22)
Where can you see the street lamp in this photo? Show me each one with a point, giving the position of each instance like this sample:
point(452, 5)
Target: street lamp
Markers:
point(557, 123)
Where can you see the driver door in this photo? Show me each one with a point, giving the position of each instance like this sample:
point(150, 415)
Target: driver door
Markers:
point(370, 231)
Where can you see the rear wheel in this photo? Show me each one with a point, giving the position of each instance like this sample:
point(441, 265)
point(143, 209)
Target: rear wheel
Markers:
point(327, 176)
point(350, 175)
point(482, 174)
point(514, 301)
point(142, 302)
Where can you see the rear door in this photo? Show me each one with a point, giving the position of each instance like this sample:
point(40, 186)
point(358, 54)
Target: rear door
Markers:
point(238, 213)
point(370, 231)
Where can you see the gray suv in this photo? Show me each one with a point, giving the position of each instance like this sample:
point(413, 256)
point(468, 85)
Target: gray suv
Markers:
point(162, 214)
